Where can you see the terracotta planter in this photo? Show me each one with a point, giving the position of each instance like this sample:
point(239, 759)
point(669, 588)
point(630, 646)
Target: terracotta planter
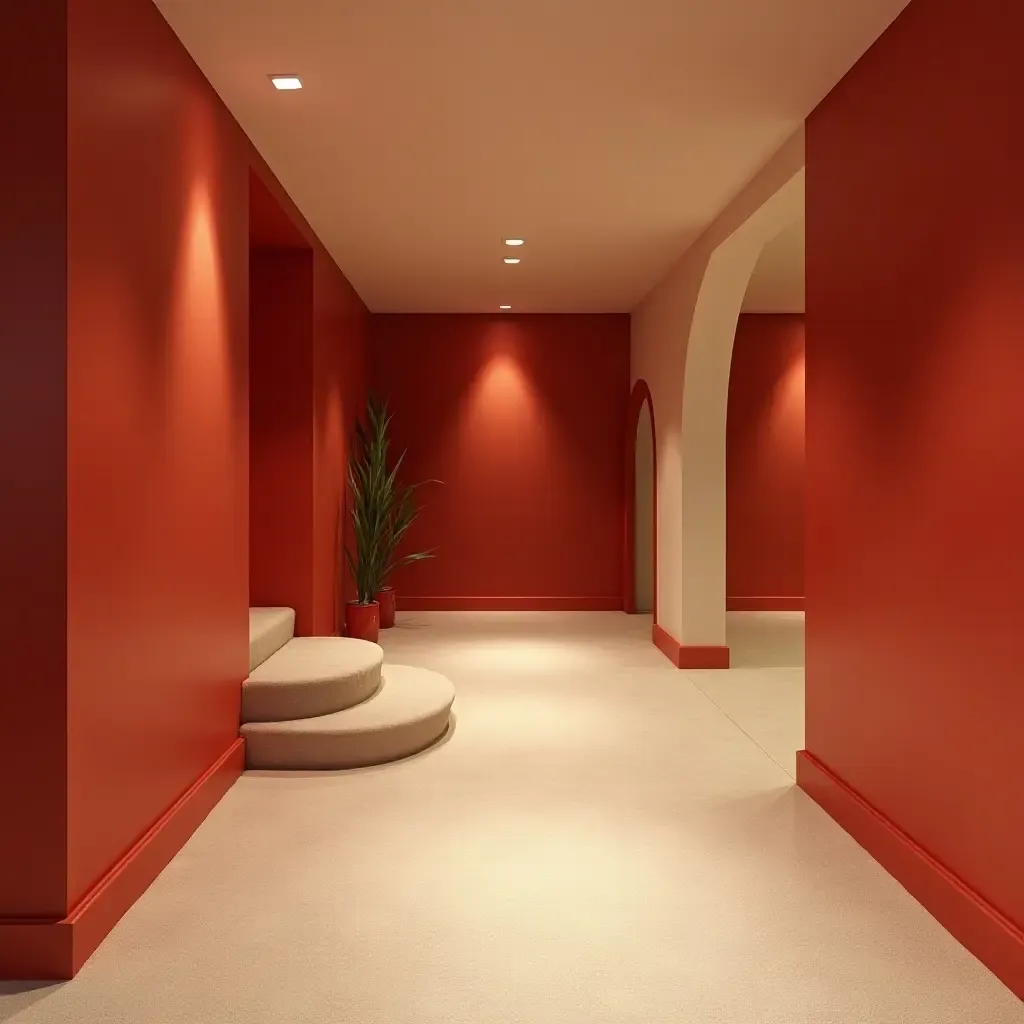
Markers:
point(362, 621)
point(386, 600)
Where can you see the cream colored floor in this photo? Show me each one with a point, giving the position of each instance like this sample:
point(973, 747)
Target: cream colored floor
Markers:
point(601, 840)
point(763, 693)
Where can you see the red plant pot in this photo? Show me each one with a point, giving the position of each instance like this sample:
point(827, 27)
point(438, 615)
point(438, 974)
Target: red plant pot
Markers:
point(362, 621)
point(386, 600)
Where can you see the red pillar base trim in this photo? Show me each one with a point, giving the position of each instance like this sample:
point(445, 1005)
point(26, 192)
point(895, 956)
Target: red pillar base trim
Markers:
point(764, 604)
point(56, 950)
point(683, 656)
point(995, 940)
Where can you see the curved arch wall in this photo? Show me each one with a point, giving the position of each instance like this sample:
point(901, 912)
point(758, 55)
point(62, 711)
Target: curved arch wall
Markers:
point(640, 405)
point(682, 339)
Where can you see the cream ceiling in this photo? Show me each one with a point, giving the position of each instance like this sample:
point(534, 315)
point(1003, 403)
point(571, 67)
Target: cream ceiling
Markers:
point(607, 133)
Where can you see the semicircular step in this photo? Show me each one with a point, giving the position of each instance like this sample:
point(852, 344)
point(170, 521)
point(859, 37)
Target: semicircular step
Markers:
point(269, 630)
point(409, 712)
point(311, 676)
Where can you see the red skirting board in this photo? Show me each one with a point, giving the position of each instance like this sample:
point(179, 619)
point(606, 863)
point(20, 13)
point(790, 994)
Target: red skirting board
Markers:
point(689, 656)
point(56, 950)
point(995, 940)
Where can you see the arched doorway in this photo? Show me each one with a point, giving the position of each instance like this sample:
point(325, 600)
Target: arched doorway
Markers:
point(643, 519)
point(641, 560)
point(703, 423)
point(682, 339)
point(765, 443)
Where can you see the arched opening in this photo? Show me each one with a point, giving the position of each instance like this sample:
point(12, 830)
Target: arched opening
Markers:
point(704, 416)
point(765, 462)
point(764, 506)
point(643, 504)
point(641, 556)
point(681, 344)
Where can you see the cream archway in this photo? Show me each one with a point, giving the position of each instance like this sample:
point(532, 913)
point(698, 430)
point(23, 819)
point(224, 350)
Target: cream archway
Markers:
point(682, 345)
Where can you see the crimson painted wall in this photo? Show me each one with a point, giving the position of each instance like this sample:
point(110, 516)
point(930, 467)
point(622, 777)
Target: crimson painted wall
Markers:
point(340, 335)
point(125, 429)
point(281, 431)
point(915, 565)
point(307, 364)
point(157, 429)
point(33, 449)
point(765, 464)
point(524, 419)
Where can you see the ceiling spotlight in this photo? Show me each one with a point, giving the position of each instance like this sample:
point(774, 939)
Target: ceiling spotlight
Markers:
point(286, 82)
point(504, 307)
point(514, 241)
point(511, 259)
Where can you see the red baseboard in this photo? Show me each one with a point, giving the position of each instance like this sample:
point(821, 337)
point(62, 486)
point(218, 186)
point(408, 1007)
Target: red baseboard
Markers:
point(995, 940)
point(764, 604)
point(510, 604)
point(689, 656)
point(56, 950)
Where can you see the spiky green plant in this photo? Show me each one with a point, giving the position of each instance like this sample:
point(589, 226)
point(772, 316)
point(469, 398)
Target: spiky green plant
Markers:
point(382, 510)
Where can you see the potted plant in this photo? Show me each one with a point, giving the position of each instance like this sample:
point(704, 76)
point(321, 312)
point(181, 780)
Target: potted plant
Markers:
point(401, 516)
point(368, 508)
point(401, 512)
point(382, 512)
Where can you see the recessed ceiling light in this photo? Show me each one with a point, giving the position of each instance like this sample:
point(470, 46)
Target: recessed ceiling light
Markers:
point(511, 259)
point(504, 307)
point(514, 241)
point(286, 82)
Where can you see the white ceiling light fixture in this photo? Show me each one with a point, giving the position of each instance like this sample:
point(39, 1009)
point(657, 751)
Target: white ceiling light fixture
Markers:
point(504, 307)
point(286, 83)
point(511, 259)
point(514, 241)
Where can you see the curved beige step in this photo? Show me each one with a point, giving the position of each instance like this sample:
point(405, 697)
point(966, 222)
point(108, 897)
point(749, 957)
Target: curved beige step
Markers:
point(311, 676)
point(407, 714)
point(269, 630)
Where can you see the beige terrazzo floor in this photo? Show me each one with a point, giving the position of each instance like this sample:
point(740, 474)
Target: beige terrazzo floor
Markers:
point(600, 840)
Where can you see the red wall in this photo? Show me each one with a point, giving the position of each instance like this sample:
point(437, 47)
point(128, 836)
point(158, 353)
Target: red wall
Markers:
point(281, 431)
point(130, 329)
point(157, 428)
point(307, 385)
point(33, 450)
point(915, 566)
point(765, 464)
point(524, 419)
point(340, 332)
